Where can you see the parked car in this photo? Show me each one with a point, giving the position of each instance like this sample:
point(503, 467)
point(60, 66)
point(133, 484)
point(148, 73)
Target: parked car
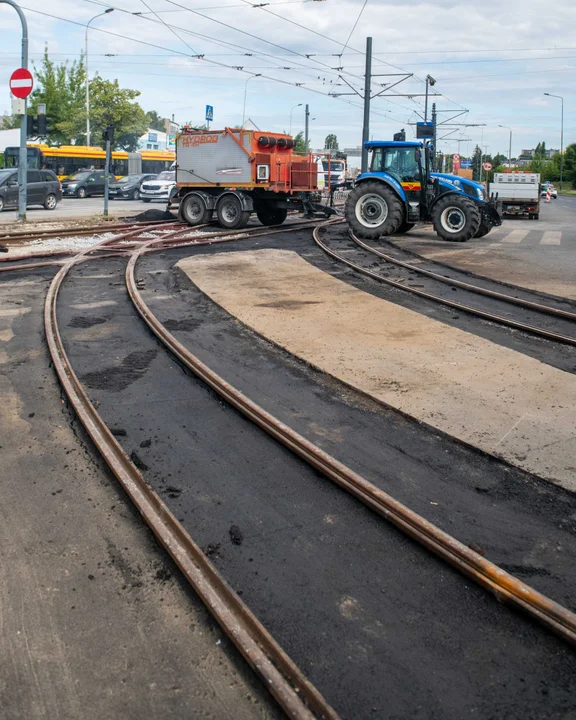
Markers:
point(162, 187)
point(128, 187)
point(544, 191)
point(43, 189)
point(84, 184)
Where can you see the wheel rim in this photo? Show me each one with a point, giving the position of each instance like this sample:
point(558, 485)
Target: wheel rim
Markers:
point(136, 195)
point(51, 202)
point(229, 212)
point(453, 219)
point(81, 193)
point(194, 210)
point(371, 210)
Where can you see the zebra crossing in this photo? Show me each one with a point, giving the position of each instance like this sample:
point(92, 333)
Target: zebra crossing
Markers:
point(530, 237)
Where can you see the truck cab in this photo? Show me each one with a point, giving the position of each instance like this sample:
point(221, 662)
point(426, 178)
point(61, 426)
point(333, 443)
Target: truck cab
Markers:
point(400, 190)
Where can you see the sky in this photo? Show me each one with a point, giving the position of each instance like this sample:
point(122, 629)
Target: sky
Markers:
point(494, 60)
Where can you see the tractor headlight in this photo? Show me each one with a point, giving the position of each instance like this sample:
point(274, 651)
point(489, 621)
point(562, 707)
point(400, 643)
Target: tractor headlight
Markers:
point(481, 194)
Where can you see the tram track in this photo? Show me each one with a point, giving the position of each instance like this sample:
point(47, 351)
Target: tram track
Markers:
point(538, 319)
point(288, 684)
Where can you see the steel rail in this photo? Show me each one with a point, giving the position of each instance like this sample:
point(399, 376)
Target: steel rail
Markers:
point(505, 586)
point(289, 686)
point(516, 325)
point(528, 304)
point(81, 230)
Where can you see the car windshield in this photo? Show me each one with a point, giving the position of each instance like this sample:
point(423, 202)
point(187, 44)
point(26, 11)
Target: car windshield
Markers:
point(4, 174)
point(79, 176)
point(130, 178)
point(335, 165)
point(166, 175)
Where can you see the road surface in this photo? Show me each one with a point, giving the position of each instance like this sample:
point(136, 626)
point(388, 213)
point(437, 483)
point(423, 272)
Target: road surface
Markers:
point(77, 208)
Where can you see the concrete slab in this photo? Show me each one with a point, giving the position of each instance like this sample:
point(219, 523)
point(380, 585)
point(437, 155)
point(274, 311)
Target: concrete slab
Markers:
point(489, 396)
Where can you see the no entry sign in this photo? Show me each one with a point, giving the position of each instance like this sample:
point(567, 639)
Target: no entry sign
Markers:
point(21, 83)
point(487, 166)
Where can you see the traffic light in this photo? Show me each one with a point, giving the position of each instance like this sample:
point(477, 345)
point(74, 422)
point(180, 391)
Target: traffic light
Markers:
point(108, 134)
point(44, 126)
point(31, 126)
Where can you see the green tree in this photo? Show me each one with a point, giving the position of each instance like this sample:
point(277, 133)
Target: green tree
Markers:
point(569, 165)
point(299, 144)
point(9, 122)
point(331, 142)
point(499, 159)
point(155, 122)
point(112, 105)
point(61, 87)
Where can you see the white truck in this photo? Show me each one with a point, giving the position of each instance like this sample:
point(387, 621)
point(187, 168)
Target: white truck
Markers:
point(519, 193)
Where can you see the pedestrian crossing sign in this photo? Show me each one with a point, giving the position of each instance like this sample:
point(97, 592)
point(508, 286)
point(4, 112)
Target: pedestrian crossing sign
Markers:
point(209, 113)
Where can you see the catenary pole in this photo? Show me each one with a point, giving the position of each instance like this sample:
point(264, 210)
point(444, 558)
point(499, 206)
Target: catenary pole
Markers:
point(306, 126)
point(367, 86)
point(23, 154)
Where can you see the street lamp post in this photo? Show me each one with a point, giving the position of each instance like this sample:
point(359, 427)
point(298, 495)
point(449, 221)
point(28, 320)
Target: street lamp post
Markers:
point(561, 133)
point(291, 110)
point(509, 146)
point(108, 10)
point(245, 90)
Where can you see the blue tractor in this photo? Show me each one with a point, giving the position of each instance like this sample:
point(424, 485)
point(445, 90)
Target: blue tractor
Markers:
point(400, 190)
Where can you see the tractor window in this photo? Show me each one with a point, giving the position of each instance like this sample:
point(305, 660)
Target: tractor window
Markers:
point(400, 162)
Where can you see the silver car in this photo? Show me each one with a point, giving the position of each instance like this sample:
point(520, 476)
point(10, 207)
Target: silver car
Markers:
point(161, 188)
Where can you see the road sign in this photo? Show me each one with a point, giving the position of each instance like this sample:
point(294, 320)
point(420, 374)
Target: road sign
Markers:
point(424, 130)
point(21, 83)
point(487, 166)
point(209, 113)
point(455, 156)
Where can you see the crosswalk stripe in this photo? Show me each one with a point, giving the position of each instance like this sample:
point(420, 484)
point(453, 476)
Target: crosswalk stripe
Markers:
point(516, 236)
point(551, 237)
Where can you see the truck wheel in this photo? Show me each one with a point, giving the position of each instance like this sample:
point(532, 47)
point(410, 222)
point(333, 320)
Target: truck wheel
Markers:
point(373, 209)
point(193, 210)
point(404, 227)
point(230, 213)
point(456, 218)
point(272, 216)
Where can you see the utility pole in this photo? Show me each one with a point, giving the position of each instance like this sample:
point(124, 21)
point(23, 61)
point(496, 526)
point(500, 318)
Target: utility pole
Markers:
point(306, 125)
point(367, 86)
point(429, 83)
point(23, 154)
point(434, 119)
point(87, 89)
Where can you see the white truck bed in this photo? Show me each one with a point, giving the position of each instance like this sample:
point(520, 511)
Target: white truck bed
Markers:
point(519, 193)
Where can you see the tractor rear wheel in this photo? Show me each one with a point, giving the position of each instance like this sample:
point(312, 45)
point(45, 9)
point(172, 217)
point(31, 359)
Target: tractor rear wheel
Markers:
point(230, 213)
point(373, 209)
point(456, 218)
point(271, 215)
point(193, 210)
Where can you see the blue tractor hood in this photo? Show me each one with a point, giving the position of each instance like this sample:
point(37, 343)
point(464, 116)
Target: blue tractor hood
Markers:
point(457, 181)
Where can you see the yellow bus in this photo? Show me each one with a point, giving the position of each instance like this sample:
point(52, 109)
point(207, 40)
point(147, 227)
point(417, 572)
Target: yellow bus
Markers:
point(68, 159)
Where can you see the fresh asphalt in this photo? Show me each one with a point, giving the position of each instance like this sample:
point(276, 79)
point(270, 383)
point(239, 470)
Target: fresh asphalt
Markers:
point(97, 622)
point(382, 628)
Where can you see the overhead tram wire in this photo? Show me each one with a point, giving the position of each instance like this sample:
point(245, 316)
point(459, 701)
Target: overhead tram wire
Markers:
point(183, 54)
point(337, 42)
point(224, 43)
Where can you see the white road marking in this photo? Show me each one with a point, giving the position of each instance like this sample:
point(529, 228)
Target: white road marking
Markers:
point(551, 237)
point(516, 236)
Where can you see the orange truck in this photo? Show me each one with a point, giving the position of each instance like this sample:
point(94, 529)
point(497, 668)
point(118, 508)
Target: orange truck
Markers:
point(236, 172)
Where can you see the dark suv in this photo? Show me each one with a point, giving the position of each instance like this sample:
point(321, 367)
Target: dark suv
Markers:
point(84, 183)
point(43, 189)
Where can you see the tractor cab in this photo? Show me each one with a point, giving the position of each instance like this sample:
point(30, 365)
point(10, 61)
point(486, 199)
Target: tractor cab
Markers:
point(399, 190)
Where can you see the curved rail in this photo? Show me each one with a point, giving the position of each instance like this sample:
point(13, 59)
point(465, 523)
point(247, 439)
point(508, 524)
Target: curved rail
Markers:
point(295, 694)
point(516, 325)
point(506, 587)
point(529, 305)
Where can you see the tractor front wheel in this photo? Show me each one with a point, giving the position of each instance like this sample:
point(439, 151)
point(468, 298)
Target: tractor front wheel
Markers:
point(373, 209)
point(456, 218)
point(484, 229)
